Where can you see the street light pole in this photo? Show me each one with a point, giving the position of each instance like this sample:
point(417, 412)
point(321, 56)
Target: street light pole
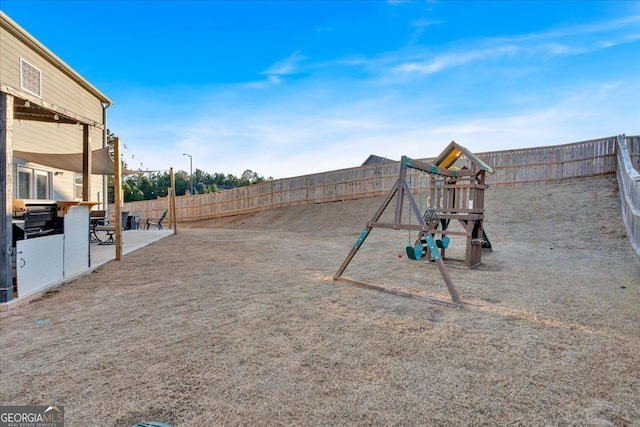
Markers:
point(190, 171)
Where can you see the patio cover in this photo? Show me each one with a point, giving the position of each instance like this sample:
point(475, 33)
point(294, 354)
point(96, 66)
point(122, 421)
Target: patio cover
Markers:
point(101, 162)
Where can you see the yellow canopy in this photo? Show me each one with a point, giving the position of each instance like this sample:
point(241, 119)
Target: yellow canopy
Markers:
point(453, 151)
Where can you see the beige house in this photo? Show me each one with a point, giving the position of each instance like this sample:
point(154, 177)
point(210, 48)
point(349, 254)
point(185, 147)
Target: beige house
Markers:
point(52, 142)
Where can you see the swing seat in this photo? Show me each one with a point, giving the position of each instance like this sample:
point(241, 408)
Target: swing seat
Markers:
point(443, 243)
point(415, 252)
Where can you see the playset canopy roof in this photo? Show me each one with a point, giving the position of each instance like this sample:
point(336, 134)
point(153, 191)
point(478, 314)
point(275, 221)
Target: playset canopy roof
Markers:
point(448, 157)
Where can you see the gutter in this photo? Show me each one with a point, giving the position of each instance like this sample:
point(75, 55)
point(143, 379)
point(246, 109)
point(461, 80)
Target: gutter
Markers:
point(105, 131)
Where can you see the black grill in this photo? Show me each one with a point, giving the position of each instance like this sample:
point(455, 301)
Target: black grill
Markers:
point(34, 218)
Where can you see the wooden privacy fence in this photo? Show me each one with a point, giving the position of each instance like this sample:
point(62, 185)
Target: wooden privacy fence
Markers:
point(541, 165)
point(629, 183)
point(345, 184)
point(553, 164)
point(633, 148)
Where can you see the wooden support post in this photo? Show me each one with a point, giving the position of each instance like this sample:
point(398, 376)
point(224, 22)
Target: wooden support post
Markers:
point(172, 201)
point(366, 231)
point(6, 200)
point(117, 196)
point(87, 156)
point(401, 189)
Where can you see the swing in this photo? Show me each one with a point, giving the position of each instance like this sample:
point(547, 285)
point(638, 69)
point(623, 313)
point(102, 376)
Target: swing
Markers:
point(441, 195)
point(443, 243)
point(415, 252)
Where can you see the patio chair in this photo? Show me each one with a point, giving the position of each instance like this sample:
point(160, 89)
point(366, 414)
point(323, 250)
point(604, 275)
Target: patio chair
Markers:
point(110, 229)
point(96, 218)
point(156, 222)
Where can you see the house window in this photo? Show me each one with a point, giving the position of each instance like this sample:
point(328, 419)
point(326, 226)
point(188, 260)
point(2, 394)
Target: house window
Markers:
point(78, 186)
point(42, 185)
point(34, 183)
point(30, 78)
point(24, 183)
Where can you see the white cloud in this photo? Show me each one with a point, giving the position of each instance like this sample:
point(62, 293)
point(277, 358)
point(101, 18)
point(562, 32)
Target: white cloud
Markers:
point(543, 45)
point(288, 127)
point(293, 145)
point(424, 22)
point(280, 140)
point(287, 66)
point(324, 29)
point(454, 59)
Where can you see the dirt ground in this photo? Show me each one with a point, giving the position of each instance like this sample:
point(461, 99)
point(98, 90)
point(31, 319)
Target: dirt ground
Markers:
point(238, 322)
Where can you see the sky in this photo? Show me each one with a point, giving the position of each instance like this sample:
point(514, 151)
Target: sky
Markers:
point(289, 88)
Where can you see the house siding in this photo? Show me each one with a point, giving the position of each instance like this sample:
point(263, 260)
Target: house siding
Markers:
point(60, 89)
point(57, 87)
point(42, 137)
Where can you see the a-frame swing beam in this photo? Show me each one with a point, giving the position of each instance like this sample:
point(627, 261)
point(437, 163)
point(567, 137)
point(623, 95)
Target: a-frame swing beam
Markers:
point(402, 189)
point(366, 231)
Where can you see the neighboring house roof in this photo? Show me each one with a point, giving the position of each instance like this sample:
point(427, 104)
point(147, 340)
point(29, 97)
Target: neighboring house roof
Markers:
point(21, 34)
point(372, 159)
point(448, 157)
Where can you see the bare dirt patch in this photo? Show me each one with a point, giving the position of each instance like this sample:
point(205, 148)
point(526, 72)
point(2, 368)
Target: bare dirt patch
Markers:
point(238, 322)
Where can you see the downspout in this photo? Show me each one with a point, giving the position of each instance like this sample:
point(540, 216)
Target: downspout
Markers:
point(105, 178)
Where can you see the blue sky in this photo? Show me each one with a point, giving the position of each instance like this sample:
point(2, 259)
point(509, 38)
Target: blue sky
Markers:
point(287, 88)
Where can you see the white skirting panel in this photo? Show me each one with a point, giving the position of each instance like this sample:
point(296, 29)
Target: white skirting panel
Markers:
point(76, 240)
point(39, 262)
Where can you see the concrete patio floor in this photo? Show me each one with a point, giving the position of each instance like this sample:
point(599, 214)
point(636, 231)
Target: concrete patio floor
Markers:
point(132, 240)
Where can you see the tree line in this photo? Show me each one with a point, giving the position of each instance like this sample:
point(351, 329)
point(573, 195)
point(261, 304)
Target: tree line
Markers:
point(151, 185)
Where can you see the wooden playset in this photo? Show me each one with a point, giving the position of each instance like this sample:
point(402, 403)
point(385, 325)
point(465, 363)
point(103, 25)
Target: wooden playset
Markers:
point(454, 193)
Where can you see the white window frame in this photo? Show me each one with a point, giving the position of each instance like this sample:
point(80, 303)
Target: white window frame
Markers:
point(38, 174)
point(29, 173)
point(78, 186)
point(32, 189)
point(27, 67)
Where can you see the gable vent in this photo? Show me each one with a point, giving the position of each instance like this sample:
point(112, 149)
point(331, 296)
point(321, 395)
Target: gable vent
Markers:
point(30, 78)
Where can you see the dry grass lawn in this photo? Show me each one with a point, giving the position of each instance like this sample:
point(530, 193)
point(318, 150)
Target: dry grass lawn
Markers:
point(238, 322)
